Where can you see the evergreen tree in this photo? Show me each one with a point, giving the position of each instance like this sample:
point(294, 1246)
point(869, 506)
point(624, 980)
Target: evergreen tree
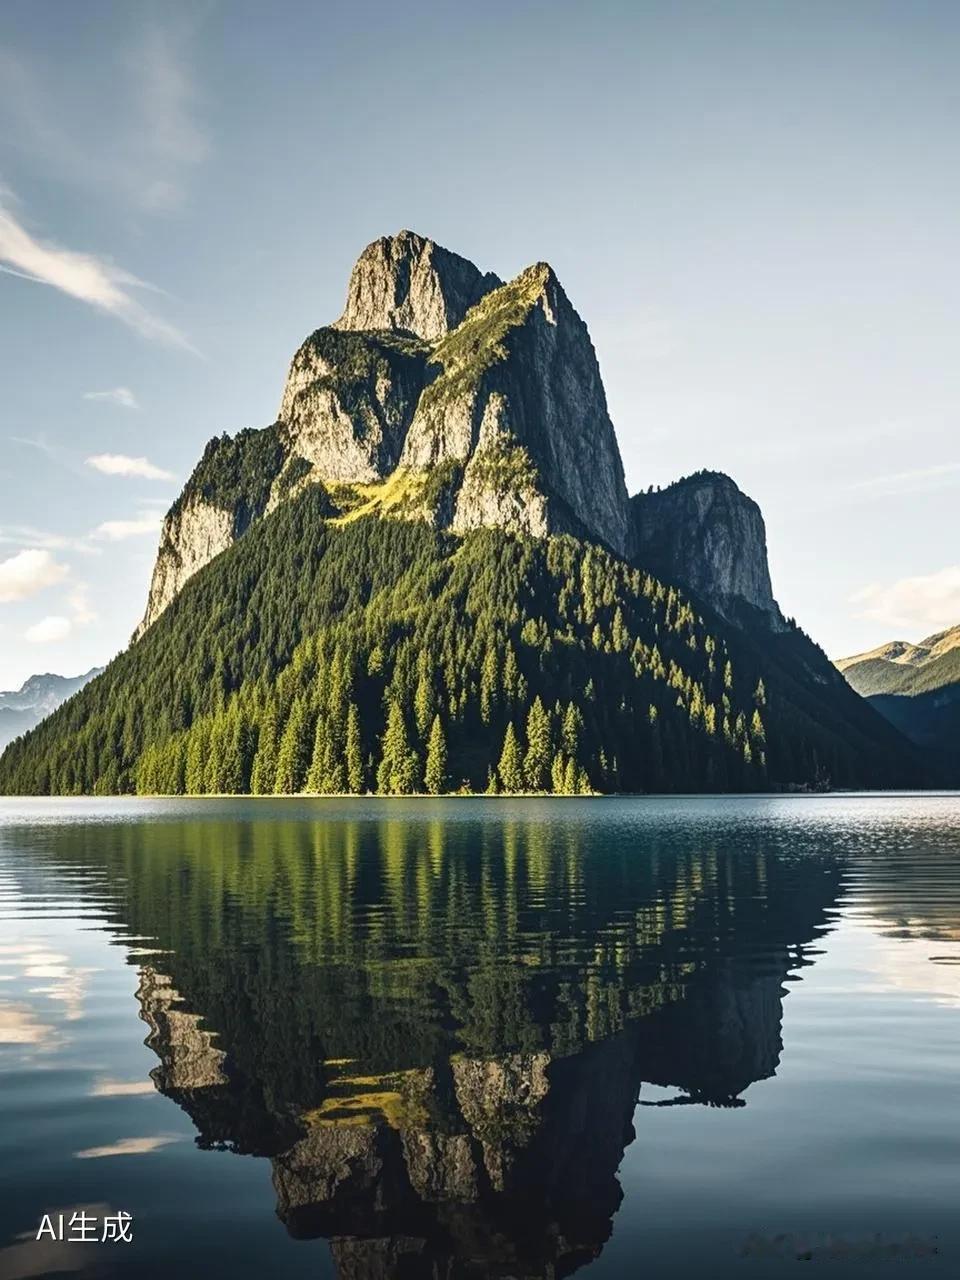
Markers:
point(510, 769)
point(398, 770)
point(435, 773)
point(353, 752)
point(265, 761)
point(536, 763)
point(293, 754)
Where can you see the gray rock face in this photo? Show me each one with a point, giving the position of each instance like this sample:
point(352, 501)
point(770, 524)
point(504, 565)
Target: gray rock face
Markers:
point(703, 533)
point(349, 400)
point(432, 365)
point(191, 536)
point(521, 402)
point(443, 394)
point(407, 283)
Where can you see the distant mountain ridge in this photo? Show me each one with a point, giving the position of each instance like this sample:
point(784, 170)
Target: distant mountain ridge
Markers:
point(916, 687)
point(21, 709)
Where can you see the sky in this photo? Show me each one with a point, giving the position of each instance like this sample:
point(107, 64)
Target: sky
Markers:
point(752, 205)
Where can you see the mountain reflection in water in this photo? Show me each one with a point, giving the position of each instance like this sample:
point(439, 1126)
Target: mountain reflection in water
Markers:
point(437, 1028)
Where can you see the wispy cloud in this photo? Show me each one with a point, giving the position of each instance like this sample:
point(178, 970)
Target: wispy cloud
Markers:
point(28, 572)
point(915, 480)
point(24, 535)
point(49, 630)
point(167, 98)
point(90, 279)
point(120, 530)
point(121, 396)
point(915, 606)
point(129, 128)
point(80, 606)
point(120, 464)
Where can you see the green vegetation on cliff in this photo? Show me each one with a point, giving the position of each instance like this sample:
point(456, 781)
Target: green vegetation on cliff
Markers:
point(387, 656)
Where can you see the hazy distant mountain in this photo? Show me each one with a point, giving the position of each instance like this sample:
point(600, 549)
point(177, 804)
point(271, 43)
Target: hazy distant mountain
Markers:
point(25, 707)
point(427, 574)
point(916, 686)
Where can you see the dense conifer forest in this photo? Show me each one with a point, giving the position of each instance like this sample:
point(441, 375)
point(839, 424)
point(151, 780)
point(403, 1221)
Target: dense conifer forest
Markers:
point(382, 656)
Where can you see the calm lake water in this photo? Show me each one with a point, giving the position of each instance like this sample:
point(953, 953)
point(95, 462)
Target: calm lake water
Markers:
point(476, 1038)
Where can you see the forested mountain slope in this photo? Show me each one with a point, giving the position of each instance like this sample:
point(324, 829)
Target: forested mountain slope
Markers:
point(386, 655)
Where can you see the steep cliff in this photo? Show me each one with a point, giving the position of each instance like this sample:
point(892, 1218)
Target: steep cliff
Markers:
point(706, 535)
point(469, 402)
point(229, 488)
point(407, 283)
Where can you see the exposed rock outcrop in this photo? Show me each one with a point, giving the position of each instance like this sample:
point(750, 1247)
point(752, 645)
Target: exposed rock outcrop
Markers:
point(705, 534)
point(408, 283)
point(349, 401)
point(229, 488)
point(470, 403)
point(191, 536)
point(434, 367)
point(520, 399)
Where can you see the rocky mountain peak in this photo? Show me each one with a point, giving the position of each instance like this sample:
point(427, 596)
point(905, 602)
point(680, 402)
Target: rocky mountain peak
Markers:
point(410, 284)
point(705, 534)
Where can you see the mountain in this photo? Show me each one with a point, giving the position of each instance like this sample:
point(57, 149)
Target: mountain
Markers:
point(917, 688)
point(416, 403)
point(706, 535)
point(23, 708)
point(427, 574)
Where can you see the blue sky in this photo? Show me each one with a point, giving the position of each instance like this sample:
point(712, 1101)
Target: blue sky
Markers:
point(753, 206)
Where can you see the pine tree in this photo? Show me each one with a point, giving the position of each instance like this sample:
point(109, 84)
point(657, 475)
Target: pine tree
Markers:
point(558, 774)
point(293, 754)
point(353, 751)
point(265, 761)
point(435, 773)
point(536, 763)
point(488, 683)
point(197, 752)
point(398, 771)
point(423, 702)
point(316, 773)
point(510, 770)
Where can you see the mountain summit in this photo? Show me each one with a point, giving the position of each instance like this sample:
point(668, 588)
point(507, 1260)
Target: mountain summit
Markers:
point(440, 394)
point(409, 284)
point(427, 574)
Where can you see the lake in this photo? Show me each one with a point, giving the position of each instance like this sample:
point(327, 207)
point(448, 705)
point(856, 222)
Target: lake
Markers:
point(479, 1037)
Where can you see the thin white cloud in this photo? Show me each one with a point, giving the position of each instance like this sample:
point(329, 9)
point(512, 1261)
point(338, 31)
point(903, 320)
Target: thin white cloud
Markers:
point(170, 134)
point(916, 480)
point(90, 279)
point(121, 396)
point(28, 572)
point(120, 464)
point(80, 606)
point(25, 535)
point(129, 128)
point(916, 606)
point(49, 630)
point(119, 530)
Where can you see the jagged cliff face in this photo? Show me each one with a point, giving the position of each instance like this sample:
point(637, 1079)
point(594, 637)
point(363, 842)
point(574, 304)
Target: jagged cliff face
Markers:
point(446, 395)
point(409, 284)
point(705, 534)
point(433, 370)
